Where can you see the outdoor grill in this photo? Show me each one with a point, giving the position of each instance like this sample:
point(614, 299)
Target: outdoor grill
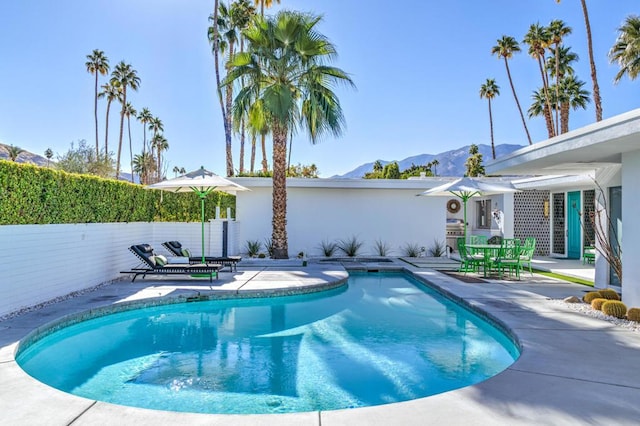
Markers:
point(455, 229)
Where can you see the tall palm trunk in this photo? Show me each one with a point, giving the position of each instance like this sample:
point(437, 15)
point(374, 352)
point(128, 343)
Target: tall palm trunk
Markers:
point(493, 147)
point(95, 115)
point(564, 114)
point(548, 118)
point(228, 123)
point(106, 131)
point(122, 114)
point(558, 87)
point(279, 222)
point(130, 146)
point(515, 96)
point(242, 140)
point(253, 152)
point(596, 89)
point(263, 142)
point(216, 60)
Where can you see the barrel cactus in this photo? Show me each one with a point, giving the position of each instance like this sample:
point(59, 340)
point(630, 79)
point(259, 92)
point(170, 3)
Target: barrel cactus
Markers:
point(633, 314)
point(591, 295)
point(614, 308)
point(609, 294)
point(597, 303)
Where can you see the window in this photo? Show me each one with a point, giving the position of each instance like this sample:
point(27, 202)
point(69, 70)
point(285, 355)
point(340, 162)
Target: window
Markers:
point(483, 214)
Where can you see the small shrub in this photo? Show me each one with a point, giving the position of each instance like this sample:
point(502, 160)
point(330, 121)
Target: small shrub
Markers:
point(614, 308)
point(597, 303)
point(633, 314)
point(350, 246)
point(252, 247)
point(609, 294)
point(411, 250)
point(438, 249)
point(328, 248)
point(268, 245)
point(262, 256)
point(300, 255)
point(588, 298)
point(381, 248)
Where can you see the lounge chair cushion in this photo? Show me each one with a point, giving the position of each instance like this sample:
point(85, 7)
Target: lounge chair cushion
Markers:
point(185, 252)
point(160, 260)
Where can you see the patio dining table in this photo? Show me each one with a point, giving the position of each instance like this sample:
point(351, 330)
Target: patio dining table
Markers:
point(488, 250)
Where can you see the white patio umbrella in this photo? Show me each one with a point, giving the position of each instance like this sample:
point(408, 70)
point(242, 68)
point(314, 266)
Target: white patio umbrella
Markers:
point(202, 182)
point(466, 188)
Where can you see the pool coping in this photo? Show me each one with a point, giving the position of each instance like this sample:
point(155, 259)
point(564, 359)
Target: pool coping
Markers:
point(561, 377)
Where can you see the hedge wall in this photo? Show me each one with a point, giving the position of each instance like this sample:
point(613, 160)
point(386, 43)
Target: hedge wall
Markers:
point(31, 194)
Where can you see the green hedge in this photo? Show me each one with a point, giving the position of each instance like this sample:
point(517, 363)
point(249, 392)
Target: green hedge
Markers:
point(31, 194)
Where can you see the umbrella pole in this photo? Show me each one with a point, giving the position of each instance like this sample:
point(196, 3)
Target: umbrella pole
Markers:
point(202, 195)
point(465, 219)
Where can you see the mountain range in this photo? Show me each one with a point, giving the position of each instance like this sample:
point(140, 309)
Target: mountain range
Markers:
point(451, 163)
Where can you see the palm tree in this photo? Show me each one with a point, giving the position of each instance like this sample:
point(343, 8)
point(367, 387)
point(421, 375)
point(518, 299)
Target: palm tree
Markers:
point(488, 91)
point(558, 30)
point(505, 48)
point(123, 76)
point(144, 166)
point(572, 96)
point(474, 162)
point(263, 4)
point(538, 38)
point(176, 169)
point(49, 154)
point(97, 63)
point(435, 163)
point(159, 142)
point(144, 118)
point(112, 93)
point(559, 65)
point(14, 152)
point(156, 126)
point(129, 111)
point(540, 103)
point(594, 77)
point(626, 50)
point(299, 93)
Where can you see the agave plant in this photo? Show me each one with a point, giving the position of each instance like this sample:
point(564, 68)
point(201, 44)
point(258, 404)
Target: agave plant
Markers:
point(381, 248)
point(268, 245)
point(328, 248)
point(411, 250)
point(438, 249)
point(350, 246)
point(252, 247)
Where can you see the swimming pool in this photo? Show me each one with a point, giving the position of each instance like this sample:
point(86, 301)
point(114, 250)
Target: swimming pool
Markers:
point(384, 338)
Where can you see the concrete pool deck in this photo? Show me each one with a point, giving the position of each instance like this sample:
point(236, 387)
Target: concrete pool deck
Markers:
point(574, 369)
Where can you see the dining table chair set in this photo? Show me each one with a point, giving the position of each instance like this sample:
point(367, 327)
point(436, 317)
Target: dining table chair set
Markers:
point(509, 256)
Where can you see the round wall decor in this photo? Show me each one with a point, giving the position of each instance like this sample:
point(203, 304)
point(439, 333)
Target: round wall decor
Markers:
point(453, 206)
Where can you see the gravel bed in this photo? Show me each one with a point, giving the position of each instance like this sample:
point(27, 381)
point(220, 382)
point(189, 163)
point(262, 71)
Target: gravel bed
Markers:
point(586, 309)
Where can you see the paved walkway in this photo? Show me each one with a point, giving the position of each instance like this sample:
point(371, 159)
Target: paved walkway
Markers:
point(573, 369)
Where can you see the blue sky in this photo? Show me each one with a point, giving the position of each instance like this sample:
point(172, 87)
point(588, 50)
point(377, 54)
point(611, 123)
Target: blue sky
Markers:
point(418, 67)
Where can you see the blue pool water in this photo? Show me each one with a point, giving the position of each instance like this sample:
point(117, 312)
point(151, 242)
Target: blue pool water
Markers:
point(384, 338)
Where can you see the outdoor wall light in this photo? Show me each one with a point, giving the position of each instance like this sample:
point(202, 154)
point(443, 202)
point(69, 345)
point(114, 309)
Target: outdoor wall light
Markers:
point(545, 208)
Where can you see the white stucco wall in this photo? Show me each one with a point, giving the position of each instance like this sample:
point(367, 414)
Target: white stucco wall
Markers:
point(42, 262)
point(332, 210)
point(630, 229)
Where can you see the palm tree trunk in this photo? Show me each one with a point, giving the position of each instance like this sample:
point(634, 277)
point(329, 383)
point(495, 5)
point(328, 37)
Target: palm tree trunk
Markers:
point(265, 165)
point(124, 103)
point(130, 146)
point(242, 139)
point(515, 96)
point(493, 147)
point(596, 89)
point(106, 131)
point(216, 59)
point(557, 84)
point(547, 104)
point(564, 113)
point(279, 221)
point(253, 152)
point(95, 114)
point(228, 123)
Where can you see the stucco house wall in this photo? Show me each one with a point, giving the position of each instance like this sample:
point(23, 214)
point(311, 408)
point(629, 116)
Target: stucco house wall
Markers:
point(334, 209)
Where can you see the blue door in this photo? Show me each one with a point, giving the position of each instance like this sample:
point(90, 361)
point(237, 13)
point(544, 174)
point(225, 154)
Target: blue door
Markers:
point(574, 229)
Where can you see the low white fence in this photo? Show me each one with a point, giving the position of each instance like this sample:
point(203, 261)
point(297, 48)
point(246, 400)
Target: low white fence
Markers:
point(42, 262)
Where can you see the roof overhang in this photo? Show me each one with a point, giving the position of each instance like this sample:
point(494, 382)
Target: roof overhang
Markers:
point(580, 151)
